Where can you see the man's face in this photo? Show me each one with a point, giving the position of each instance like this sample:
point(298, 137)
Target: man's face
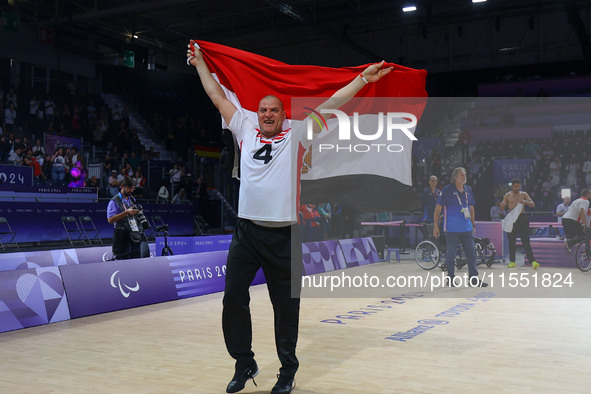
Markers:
point(127, 191)
point(516, 187)
point(432, 182)
point(566, 200)
point(271, 116)
point(461, 177)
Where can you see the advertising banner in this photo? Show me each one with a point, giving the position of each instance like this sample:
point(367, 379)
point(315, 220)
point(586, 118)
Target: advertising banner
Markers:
point(103, 287)
point(186, 245)
point(31, 297)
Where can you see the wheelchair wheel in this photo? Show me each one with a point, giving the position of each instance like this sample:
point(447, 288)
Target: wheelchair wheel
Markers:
point(427, 255)
point(583, 261)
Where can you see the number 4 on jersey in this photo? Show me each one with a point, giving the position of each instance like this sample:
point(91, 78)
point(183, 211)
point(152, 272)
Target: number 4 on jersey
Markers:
point(264, 154)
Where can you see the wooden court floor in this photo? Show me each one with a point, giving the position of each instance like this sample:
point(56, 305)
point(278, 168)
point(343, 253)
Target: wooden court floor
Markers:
point(461, 340)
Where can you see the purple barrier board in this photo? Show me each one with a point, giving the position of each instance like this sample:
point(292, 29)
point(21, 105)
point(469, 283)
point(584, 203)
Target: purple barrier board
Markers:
point(31, 297)
point(323, 256)
point(202, 273)
point(52, 258)
point(326, 256)
point(359, 251)
point(39, 222)
point(549, 252)
point(104, 287)
point(187, 245)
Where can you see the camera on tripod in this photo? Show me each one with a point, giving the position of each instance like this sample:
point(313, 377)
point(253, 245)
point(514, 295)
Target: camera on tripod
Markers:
point(141, 218)
point(163, 228)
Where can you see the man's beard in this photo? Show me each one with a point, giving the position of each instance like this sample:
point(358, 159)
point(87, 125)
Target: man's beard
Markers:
point(127, 194)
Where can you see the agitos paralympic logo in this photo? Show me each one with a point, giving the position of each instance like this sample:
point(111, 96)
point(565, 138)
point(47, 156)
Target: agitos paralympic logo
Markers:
point(350, 129)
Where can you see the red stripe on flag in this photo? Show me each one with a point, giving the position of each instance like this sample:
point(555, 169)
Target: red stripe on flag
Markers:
point(252, 77)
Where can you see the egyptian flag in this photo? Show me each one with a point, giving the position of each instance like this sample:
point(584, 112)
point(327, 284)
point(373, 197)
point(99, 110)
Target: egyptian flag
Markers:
point(366, 174)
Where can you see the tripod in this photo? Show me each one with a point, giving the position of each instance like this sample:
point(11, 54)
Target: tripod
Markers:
point(166, 251)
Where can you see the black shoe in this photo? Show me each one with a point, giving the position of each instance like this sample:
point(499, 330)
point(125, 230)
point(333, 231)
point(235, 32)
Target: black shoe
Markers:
point(449, 281)
point(283, 385)
point(240, 378)
point(477, 283)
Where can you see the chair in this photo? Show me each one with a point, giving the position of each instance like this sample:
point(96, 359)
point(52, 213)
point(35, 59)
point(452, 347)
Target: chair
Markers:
point(73, 230)
point(89, 229)
point(156, 222)
point(201, 225)
point(6, 231)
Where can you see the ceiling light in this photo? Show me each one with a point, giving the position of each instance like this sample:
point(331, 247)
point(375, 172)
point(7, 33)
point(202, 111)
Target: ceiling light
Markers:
point(135, 36)
point(478, 1)
point(410, 8)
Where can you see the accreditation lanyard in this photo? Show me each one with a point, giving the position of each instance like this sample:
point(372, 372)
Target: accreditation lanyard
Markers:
point(123, 201)
point(460, 201)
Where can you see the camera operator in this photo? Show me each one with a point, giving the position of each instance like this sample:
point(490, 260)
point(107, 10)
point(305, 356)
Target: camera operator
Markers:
point(127, 219)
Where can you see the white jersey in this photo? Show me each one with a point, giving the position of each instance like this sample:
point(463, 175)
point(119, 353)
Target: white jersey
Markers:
point(269, 172)
point(575, 209)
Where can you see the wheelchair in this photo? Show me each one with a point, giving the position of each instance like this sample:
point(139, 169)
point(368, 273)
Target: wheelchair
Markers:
point(430, 253)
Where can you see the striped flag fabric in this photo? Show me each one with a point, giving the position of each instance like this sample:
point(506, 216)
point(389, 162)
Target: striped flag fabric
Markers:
point(376, 181)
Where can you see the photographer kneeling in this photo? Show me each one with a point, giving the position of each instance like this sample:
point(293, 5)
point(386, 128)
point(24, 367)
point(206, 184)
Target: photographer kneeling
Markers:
point(129, 223)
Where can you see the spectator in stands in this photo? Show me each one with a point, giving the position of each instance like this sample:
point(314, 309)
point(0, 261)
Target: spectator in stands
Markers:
point(495, 212)
point(587, 171)
point(133, 160)
point(94, 182)
point(511, 200)
point(575, 222)
point(114, 184)
point(49, 110)
point(38, 151)
point(10, 118)
point(138, 182)
point(562, 208)
point(572, 170)
point(532, 148)
point(175, 176)
point(78, 175)
point(46, 167)
point(108, 166)
point(325, 211)
point(15, 157)
point(555, 166)
point(163, 194)
point(58, 168)
point(181, 197)
point(548, 184)
point(457, 204)
point(7, 145)
point(11, 98)
point(464, 141)
point(33, 108)
point(31, 162)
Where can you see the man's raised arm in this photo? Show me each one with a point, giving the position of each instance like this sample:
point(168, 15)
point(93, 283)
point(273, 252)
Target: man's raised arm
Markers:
point(372, 74)
point(212, 88)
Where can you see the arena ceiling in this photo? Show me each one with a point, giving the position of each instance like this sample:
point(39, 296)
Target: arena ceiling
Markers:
point(361, 30)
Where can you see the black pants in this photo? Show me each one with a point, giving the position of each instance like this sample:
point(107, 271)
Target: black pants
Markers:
point(521, 229)
point(253, 247)
point(574, 233)
point(123, 247)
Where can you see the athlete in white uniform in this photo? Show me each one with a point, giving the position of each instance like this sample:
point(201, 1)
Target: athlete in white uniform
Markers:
point(574, 221)
point(269, 186)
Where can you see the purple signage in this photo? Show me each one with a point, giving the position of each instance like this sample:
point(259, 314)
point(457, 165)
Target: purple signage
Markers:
point(104, 287)
point(202, 273)
point(14, 176)
point(187, 245)
point(506, 169)
point(31, 297)
point(53, 142)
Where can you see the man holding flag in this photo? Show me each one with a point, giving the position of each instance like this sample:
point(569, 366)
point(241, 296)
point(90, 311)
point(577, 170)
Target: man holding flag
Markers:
point(267, 224)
